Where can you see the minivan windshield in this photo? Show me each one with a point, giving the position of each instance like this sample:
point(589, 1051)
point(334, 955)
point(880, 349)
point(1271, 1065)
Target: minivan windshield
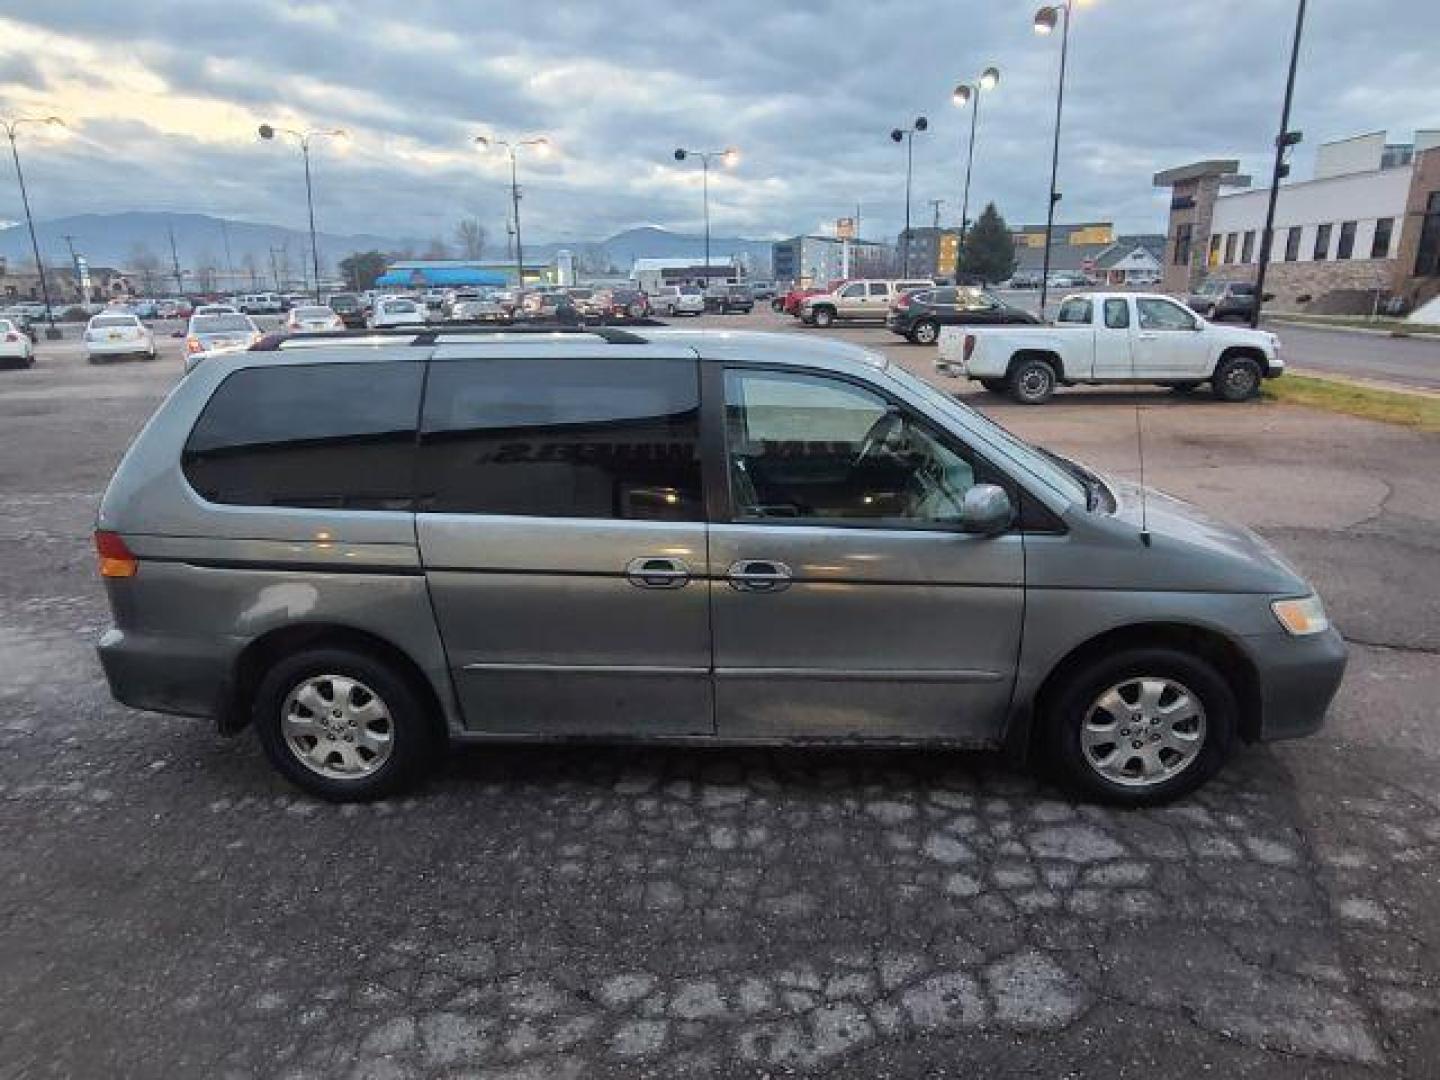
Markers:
point(1046, 467)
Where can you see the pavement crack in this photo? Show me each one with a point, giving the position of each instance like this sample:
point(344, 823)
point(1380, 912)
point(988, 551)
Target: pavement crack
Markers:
point(1392, 646)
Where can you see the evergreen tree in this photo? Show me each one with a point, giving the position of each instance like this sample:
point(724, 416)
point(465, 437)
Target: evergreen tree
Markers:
point(989, 251)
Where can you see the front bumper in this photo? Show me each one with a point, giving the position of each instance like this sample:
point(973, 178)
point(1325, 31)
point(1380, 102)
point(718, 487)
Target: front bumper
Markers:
point(163, 674)
point(1299, 677)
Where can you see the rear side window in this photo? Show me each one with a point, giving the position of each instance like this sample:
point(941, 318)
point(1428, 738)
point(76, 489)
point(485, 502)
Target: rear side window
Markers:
point(1117, 314)
point(563, 437)
point(328, 436)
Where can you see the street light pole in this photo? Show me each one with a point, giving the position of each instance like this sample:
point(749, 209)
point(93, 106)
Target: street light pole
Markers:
point(907, 135)
point(727, 157)
point(1045, 20)
point(541, 145)
point(10, 127)
point(1283, 142)
point(988, 80)
point(304, 137)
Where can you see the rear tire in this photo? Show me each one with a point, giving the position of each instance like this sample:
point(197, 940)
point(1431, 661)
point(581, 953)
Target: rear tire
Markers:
point(926, 332)
point(1154, 709)
point(1031, 382)
point(823, 318)
point(1236, 379)
point(368, 736)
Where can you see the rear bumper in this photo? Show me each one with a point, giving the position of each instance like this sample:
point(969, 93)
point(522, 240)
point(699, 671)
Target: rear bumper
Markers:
point(166, 675)
point(118, 348)
point(1299, 677)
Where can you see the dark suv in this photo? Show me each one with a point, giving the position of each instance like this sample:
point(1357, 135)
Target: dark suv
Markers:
point(349, 308)
point(1218, 300)
point(727, 298)
point(919, 315)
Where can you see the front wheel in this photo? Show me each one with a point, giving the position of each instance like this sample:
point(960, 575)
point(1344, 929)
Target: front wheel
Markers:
point(926, 332)
point(1032, 382)
point(1140, 727)
point(344, 725)
point(1236, 379)
point(823, 317)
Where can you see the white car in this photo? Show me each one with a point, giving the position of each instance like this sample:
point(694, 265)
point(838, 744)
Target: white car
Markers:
point(216, 309)
point(397, 311)
point(1112, 337)
point(116, 333)
point(15, 345)
point(675, 300)
point(312, 319)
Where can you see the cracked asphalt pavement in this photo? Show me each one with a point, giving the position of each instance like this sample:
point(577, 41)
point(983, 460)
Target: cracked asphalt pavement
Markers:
point(170, 908)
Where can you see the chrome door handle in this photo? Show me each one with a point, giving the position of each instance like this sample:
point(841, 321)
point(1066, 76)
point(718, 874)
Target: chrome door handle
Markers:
point(657, 572)
point(759, 575)
point(1148, 337)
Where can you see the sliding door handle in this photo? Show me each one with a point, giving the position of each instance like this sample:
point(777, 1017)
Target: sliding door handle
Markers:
point(657, 572)
point(759, 575)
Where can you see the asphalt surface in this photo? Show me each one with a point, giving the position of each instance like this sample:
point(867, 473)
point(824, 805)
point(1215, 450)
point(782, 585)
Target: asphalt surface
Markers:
point(170, 908)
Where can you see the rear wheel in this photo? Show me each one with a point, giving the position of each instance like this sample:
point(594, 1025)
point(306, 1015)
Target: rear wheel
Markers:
point(823, 317)
point(1237, 378)
point(344, 725)
point(1031, 382)
point(1141, 727)
point(926, 332)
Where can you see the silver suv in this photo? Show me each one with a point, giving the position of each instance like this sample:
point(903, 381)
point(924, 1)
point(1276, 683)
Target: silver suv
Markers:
point(366, 549)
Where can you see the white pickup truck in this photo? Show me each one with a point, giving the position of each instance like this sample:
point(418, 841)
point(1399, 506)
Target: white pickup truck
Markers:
point(1103, 337)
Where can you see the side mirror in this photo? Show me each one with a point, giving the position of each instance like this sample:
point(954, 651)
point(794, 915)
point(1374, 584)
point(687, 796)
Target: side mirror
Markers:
point(986, 510)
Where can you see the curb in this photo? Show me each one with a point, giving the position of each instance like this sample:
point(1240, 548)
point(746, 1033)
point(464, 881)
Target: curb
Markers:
point(1393, 333)
point(1362, 383)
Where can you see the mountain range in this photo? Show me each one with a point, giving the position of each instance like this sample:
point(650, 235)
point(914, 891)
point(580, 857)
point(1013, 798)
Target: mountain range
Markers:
point(119, 239)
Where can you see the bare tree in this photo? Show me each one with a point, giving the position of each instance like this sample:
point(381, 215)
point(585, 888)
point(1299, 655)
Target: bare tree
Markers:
point(146, 266)
point(470, 238)
point(205, 272)
point(251, 268)
point(436, 249)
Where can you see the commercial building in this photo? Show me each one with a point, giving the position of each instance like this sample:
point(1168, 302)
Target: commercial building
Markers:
point(809, 260)
point(932, 252)
point(1074, 249)
point(649, 275)
point(1365, 228)
point(450, 273)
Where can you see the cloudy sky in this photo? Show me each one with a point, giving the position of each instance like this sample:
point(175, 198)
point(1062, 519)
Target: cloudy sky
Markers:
point(163, 98)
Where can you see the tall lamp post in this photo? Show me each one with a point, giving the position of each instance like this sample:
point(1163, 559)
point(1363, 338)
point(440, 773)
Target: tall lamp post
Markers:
point(542, 147)
point(907, 136)
point(728, 157)
point(1045, 20)
point(964, 93)
point(269, 132)
point(10, 128)
point(1283, 142)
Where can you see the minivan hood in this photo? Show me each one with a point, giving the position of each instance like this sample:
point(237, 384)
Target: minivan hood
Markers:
point(1211, 548)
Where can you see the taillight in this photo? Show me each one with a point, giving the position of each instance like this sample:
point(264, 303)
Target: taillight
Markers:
point(116, 560)
point(969, 346)
point(903, 303)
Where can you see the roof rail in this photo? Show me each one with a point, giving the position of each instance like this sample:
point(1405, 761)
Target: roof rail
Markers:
point(432, 335)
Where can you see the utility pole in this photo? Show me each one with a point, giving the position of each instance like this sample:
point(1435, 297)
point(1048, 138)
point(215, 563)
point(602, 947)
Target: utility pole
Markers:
point(935, 205)
point(69, 239)
point(275, 271)
point(229, 264)
point(175, 263)
point(1283, 142)
point(10, 126)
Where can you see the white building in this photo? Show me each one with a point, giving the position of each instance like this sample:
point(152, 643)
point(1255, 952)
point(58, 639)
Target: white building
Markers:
point(650, 274)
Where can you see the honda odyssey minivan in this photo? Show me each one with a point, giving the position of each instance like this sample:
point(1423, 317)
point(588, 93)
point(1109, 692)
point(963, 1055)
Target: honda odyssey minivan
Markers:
point(365, 547)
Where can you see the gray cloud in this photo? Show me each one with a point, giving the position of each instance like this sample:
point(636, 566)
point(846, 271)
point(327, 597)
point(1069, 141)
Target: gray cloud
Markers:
point(807, 90)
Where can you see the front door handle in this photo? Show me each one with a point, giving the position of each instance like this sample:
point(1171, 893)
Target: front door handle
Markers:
point(759, 575)
point(657, 572)
point(1148, 337)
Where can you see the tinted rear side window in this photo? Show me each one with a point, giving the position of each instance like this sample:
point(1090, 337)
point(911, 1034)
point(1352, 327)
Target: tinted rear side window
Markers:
point(333, 436)
point(563, 437)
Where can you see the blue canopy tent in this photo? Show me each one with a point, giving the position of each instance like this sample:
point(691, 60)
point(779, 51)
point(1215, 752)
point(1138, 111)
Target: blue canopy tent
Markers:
point(439, 277)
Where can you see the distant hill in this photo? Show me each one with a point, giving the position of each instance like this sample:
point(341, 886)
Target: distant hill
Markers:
point(114, 240)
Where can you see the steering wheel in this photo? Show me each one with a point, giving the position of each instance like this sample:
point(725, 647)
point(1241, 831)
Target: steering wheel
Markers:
point(880, 432)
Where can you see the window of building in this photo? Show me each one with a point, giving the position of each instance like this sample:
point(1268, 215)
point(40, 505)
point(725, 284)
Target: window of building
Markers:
point(1322, 243)
point(1292, 243)
point(812, 448)
point(562, 437)
point(1214, 259)
point(1230, 247)
point(1380, 245)
point(1117, 314)
point(1075, 310)
point(1183, 234)
point(1427, 256)
point(1346, 247)
point(330, 436)
point(1247, 247)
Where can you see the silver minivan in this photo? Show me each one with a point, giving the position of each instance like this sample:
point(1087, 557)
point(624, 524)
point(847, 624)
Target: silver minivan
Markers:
point(367, 548)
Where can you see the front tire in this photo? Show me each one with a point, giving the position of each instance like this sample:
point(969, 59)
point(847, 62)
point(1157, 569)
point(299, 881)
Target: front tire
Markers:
point(344, 725)
point(1236, 379)
point(1141, 727)
point(926, 332)
point(823, 318)
point(1032, 382)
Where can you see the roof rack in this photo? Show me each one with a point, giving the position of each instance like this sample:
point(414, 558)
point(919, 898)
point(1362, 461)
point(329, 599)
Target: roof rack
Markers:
point(432, 335)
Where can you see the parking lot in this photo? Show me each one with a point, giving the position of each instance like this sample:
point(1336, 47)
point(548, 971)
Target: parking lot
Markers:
point(171, 908)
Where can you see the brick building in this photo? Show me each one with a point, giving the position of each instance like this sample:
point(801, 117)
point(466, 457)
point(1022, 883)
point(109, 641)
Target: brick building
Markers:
point(1365, 228)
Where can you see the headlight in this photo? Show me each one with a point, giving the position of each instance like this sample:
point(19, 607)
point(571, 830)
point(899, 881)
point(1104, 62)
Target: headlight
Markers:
point(1303, 616)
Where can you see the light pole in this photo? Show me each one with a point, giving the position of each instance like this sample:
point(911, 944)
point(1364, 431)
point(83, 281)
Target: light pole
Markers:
point(10, 127)
point(542, 147)
point(727, 157)
point(1283, 142)
point(964, 93)
point(304, 137)
point(907, 136)
point(1045, 20)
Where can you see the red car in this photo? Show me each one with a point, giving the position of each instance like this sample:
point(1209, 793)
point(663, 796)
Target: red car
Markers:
point(790, 302)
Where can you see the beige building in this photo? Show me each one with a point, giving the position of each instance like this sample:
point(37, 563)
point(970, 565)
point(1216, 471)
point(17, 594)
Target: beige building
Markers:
point(1365, 228)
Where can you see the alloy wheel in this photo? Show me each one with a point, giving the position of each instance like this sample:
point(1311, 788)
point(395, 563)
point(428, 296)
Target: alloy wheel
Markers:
point(1143, 731)
point(337, 727)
